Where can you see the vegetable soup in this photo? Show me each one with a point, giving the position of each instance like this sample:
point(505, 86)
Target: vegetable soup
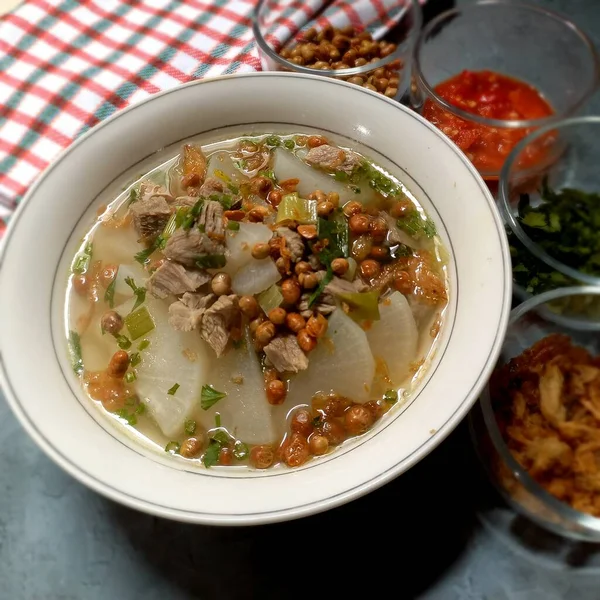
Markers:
point(256, 301)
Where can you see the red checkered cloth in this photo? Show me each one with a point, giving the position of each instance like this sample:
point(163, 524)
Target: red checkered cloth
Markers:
point(66, 65)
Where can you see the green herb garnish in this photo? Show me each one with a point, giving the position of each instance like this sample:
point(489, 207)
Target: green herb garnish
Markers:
point(82, 261)
point(211, 457)
point(210, 396)
point(131, 418)
point(133, 196)
point(289, 144)
point(75, 352)
point(566, 225)
point(173, 447)
point(190, 426)
point(211, 261)
point(173, 389)
point(143, 345)
point(130, 377)
point(139, 292)
point(122, 341)
point(192, 214)
point(391, 396)
point(273, 140)
point(109, 294)
point(135, 359)
point(233, 225)
point(416, 225)
point(139, 323)
point(217, 419)
point(269, 174)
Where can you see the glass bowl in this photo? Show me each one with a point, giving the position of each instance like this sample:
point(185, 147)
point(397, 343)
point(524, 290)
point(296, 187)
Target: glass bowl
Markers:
point(278, 25)
point(531, 321)
point(524, 42)
point(571, 155)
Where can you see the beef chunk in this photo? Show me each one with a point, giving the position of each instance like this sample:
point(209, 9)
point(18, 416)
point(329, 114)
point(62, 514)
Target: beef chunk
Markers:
point(286, 355)
point(333, 158)
point(211, 219)
point(186, 314)
point(341, 286)
point(211, 186)
point(293, 242)
point(324, 305)
point(149, 190)
point(185, 201)
point(173, 278)
point(395, 235)
point(150, 217)
point(326, 157)
point(186, 246)
point(217, 322)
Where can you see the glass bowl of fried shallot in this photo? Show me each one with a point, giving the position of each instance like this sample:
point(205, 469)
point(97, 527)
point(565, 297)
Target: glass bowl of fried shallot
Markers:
point(536, 428)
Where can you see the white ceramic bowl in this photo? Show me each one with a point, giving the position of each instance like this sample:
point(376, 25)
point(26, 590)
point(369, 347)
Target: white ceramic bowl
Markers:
point(42, 237)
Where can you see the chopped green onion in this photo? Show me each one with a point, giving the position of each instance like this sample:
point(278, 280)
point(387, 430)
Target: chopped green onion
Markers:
point(109, 294)
point(211, 456)
point(139, 323)
point(122, 341)
point(140, 409)
point(269, 174)
point(391, 396)
point(143, 345)
point(75, 352)
point(173, 447)
point(190, 426)
point(273, 140)
point(192, 215)
point(210, 396)
point(83, 259)
point(269, 299)
point(217, 419)
point(289, 144)
point(181, 216)
point(133, 196)
point(234, 189)
point(139, 292)
point(130, 377)
point(240, 450)
point(135, 359)
point(335, 231)
point(416, 225)
point(173, 390)
point(211, 261)
point(364, 306)
point(340, 176)
point(127, 416)
point(233, 225)
point(224, 199)
point(294, 208)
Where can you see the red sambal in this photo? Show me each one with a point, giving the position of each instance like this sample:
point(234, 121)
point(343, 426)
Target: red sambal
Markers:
point(493, 96)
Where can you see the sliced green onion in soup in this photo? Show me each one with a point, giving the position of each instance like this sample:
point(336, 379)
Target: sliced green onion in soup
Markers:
point(139, 323)
point(364, 306)
point(269, 299)
point(294, 208)
point(173, 447)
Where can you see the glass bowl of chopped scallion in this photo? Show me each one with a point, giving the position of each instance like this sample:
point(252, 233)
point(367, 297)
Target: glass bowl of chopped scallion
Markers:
point(552, 211)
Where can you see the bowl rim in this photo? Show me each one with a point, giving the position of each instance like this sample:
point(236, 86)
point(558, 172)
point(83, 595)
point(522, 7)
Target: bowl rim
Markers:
point(504, 198)
point(583, 520)
point(320, 505)
point(405, 48)
point(508, 123)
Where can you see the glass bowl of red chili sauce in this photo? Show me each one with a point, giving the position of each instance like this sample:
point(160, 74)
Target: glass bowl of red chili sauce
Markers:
point(489, 73)
point(536, 428)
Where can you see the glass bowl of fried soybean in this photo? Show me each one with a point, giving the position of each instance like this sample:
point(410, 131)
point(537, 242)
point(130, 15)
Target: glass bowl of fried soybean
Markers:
point(552, 213)
point(358, 42)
